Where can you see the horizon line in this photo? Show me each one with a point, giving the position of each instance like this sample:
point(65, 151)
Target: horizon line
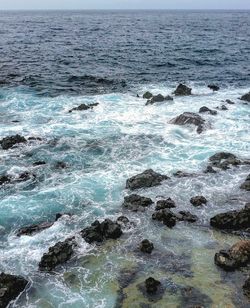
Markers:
point(123, 9)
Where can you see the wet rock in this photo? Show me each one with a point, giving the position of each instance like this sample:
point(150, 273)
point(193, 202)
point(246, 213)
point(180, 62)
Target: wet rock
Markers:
point(210, 169)
point(245, 97)
point(9, 142)
point(34, 228)
point(152, 285)
point(222, 107)
point(57, 255)
point(156, 99)
point(190, 118)
point(235, 257)
point(246, 184)
point(246, 288)
point(165, 204)
point(35, 139)
point(186, 216)
point(182, 90)
point(232, 220)
point(146, 246)
point(10, 288)
point(181, 174)
point(60, 165)
point(25, 176)
point(135, 202)
point(193, 298)
point(206, 109)
point(213, 87)
point(228, 101)
point(84, 107)
point(4, 179)
point(224, 160)
point(60, 215)
point(122, 220)
point(148, 178)
point(169, 98)
point(98, 232)
point(198, 201)
point(165, 216)
point(147, 95)
point(39, 163)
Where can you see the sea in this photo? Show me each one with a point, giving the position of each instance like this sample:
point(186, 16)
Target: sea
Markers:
point(53, 61)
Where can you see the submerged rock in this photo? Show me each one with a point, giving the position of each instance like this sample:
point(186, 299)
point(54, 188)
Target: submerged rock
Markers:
point(245, 97)
point(182, 174)
point(10, 288)
point(206, 109)
point(182, 90)
point(198, 201)
point(232, 220)
point(98, 232)
point(193, 298)
point(224, 160)
point(246, 287)
point(165, 216)
point(57, 254)
point(190, 118)
point(4, 179)
point(84, 107)
point(165, 204)
point(213, 87)
point(60, 165)
point(135, 202)
point(246, 184)
point(186, 216)
point(210, 169)
point(147, 95)
point(146, 246)
point(25, 176)
point(39, 163)
point(148, 178)
point(152, 285)
point(228, 101)
point(235, 257)
point(9, 142)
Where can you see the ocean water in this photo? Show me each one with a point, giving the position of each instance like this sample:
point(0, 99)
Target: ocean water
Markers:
point(53, 61)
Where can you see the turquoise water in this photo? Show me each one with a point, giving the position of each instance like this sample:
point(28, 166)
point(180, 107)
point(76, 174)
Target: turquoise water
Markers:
point(102, 148)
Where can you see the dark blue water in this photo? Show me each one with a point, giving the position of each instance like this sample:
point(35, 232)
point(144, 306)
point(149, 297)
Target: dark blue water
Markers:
point(84, 52)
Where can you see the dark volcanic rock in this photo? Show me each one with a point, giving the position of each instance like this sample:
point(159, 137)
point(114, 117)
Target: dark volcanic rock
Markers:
point(84, 107)
point(168, 98)
point(206, 109)
point(237, 256)
point(135, 202)
point(146, 246)
point(186, 216)
point(34, 228)
point(232, 220)
point(57, 254)
point(152, 285)
point(228, 101)
point(60, 165)
point(122, 220)
point(193, 298)
point(181, 174)
point(198, 200)
point(147, 95)
point(148, 178)
point(190, 118)
point(213, 87)
point(210, 169)
point(10, 287)
point(165, 216)
point(182, 90)
point(245, 97)
point(165, 204)
point(224, 160)
point(25, 176)
point(39, 163)
point(98, 232)
point(246, 184)
point(246, 288)
point(157, 99)
point(9, 142)
point(4, 179)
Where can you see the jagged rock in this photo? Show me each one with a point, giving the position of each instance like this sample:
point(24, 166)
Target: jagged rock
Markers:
point(182, 90)
point(25, 176)
point(213, 87)
point(57, 254)
point(245, 97)
point(246, 184)
point(135, 202)
point(4, 179)
point(39, 163)
point(198, 200)
point(9, 142)
point(34, 228)
point(98, 232)
point(147, 95)
point(35, 139)
point(228, 101)
point(246, 287)
point(152, 285)
point(148, 178)
point(181, 174)
point(156, 99)
point(190, 118)
point(237, 256)
point(122, 220)
point(169, 98)
point(10, 288)
point(222, 107)
point(165, 216)
point(186, 216)
point(165, 204)
point(84, 107)
point(210, 169)
point(206, 109)
point(232, 220)
point(146, 246)
point(224, 160)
